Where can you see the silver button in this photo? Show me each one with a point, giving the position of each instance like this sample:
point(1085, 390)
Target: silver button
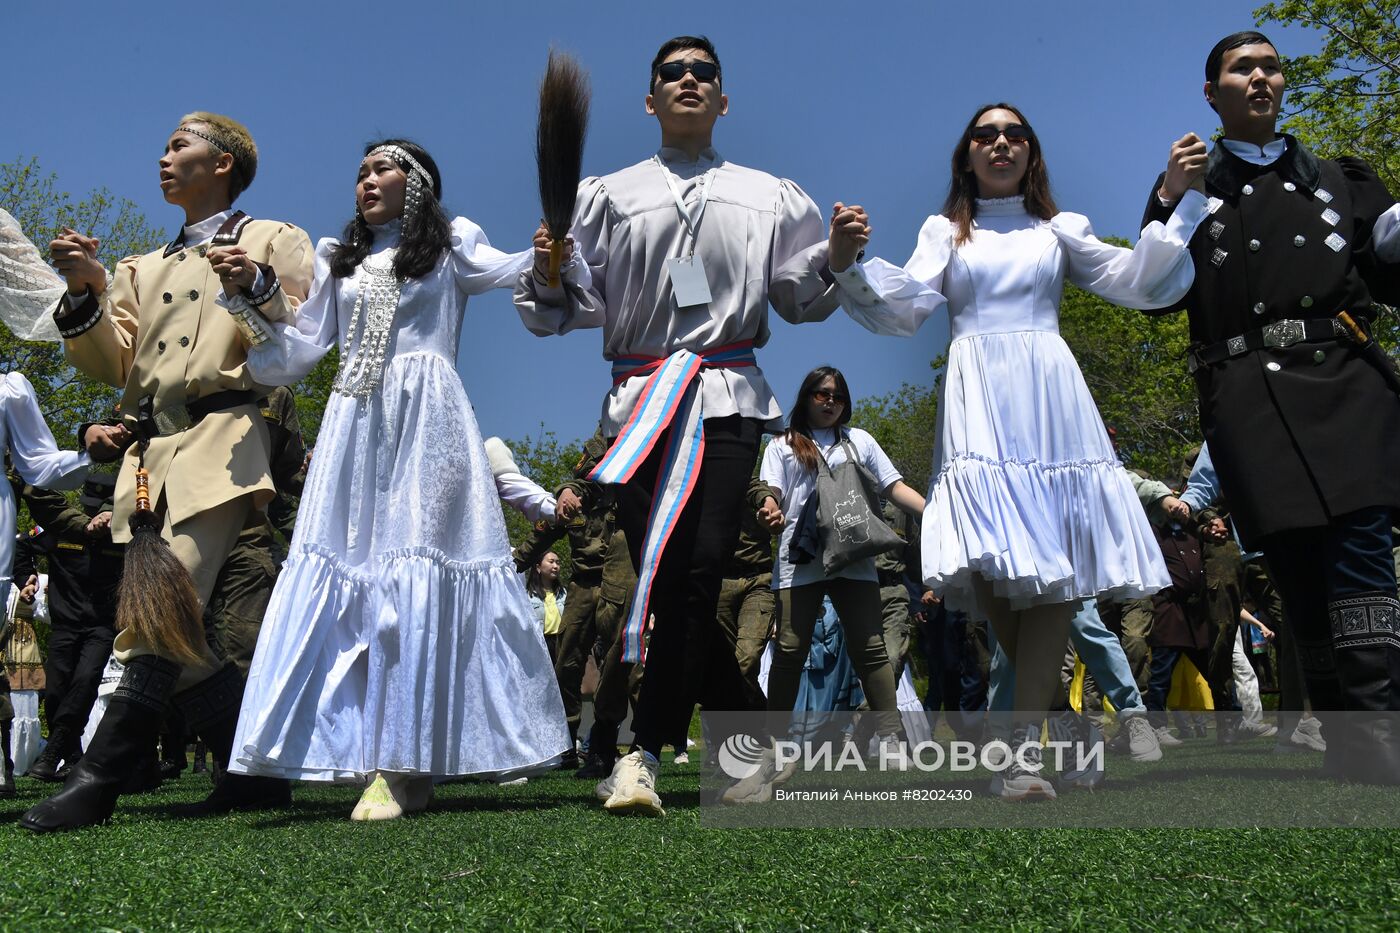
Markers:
point(1248, 189)
point(1259, 308)
point(1300, 240)
point(1254, 246)
point(1305, 301)
point(1289, 186)
point(1272, 367)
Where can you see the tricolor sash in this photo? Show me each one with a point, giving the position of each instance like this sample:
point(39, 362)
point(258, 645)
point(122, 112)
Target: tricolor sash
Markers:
point(671, 398)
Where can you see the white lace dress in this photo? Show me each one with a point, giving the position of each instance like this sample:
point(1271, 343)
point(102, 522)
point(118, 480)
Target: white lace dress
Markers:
point(1027, 490)
point(399, 637)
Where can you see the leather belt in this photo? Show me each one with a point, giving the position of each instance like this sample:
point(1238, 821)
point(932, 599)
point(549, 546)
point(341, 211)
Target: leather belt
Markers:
point(1277, 335)
point(176, 418)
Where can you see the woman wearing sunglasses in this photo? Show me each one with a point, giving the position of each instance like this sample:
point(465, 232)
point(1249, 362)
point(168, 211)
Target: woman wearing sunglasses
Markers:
point(817, 431)
point(1029, 511)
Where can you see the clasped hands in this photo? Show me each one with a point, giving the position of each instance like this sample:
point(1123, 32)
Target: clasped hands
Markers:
point(75, 256)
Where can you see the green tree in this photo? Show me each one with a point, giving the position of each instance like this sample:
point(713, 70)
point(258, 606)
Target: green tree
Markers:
point(549, 462)
point(32, 195)
point(1345, 98)
point(312, 394)
point(1135, 367)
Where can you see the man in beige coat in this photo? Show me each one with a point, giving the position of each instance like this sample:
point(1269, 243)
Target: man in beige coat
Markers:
point(162, 329)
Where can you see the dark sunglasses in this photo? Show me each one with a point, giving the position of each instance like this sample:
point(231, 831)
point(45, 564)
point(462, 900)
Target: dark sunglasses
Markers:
point(986, 135)
point(674, 71)
point(821, 396)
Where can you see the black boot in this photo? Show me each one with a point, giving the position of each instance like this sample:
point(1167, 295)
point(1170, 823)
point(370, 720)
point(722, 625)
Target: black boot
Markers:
point(211, 712)
point(127, 730)
point(45, 767)
point(1366, 651)
point(570, 759)
point(199, 754)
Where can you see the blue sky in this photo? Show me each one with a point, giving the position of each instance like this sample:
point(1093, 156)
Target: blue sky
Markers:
point(856, 102)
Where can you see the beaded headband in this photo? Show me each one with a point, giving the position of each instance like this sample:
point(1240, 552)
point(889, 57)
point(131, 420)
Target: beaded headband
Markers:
point(215, 141)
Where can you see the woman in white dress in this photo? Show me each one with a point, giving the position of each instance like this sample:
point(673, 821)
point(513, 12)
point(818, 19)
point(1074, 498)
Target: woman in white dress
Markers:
point(1029, 511)
point(399, 641)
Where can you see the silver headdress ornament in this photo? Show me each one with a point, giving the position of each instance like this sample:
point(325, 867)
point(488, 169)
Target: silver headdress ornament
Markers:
point(367, 338)
point(418, 177)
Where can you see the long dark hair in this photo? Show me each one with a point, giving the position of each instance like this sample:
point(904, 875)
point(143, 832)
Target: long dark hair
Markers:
point(799, 430)
point(534, 583)
point(421, 244)
point(961, 204)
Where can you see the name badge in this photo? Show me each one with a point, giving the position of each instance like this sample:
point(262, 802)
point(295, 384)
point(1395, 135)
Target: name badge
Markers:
point(688, 281)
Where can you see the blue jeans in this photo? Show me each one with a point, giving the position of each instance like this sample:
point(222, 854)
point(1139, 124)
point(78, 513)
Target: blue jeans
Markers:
point(1096, 646)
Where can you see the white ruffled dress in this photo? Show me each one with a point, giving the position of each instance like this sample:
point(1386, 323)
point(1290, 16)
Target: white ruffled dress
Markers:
point(399, 637)
point(1027, 490)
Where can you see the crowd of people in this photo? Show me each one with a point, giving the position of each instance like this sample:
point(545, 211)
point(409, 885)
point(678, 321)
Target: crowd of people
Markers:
point(398, 638)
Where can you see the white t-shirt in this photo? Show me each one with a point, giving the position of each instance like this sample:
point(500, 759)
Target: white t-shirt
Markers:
point(782, 470)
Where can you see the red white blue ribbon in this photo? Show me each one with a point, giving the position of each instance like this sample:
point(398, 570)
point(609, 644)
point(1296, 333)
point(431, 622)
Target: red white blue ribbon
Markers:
point(670, 399)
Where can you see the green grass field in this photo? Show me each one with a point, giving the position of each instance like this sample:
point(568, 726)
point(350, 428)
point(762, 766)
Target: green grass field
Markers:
point(545, 856)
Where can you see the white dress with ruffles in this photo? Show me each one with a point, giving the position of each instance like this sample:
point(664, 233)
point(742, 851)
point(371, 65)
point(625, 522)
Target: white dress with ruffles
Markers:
point(399, 637)
point(1027, 490)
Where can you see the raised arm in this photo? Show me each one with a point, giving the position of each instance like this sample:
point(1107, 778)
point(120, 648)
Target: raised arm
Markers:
point(477, 266)
point(98, 324)
point(800, 285)
point(32, 449)
point(580, 300)
point(296, 348)
point(885, 299)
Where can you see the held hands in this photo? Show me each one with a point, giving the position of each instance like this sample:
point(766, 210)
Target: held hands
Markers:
point(234, 268)
point(1215, 530)
point(31, 587)
point(75, 257)
point(1186, 168)
point(105, 442)
point(542, 241)
point(569, 505)
point(1176, 509)
point(850, 231)
point(100, 523)
point(770, 515)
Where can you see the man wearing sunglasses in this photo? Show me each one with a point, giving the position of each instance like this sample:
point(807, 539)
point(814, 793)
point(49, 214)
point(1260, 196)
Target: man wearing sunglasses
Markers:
point(1303, 427)
point(677, 258)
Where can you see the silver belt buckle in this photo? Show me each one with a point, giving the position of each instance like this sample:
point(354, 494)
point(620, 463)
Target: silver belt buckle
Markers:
point(1283, 333)
point(173, 420)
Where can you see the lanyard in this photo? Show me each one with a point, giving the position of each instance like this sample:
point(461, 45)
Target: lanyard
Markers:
point(692, 220)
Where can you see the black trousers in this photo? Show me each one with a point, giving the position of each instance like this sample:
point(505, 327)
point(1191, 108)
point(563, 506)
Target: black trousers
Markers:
point(72, 672)
point(685, 594)
point(1315, 569)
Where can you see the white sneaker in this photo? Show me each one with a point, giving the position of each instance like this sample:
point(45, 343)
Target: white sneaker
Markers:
point(1143, 743)
point(1255, 728)
point(758, 787)
point(604, 788)
point(681, 759)
point(1165, 739)
point(634, 786)
point(1308, 734)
